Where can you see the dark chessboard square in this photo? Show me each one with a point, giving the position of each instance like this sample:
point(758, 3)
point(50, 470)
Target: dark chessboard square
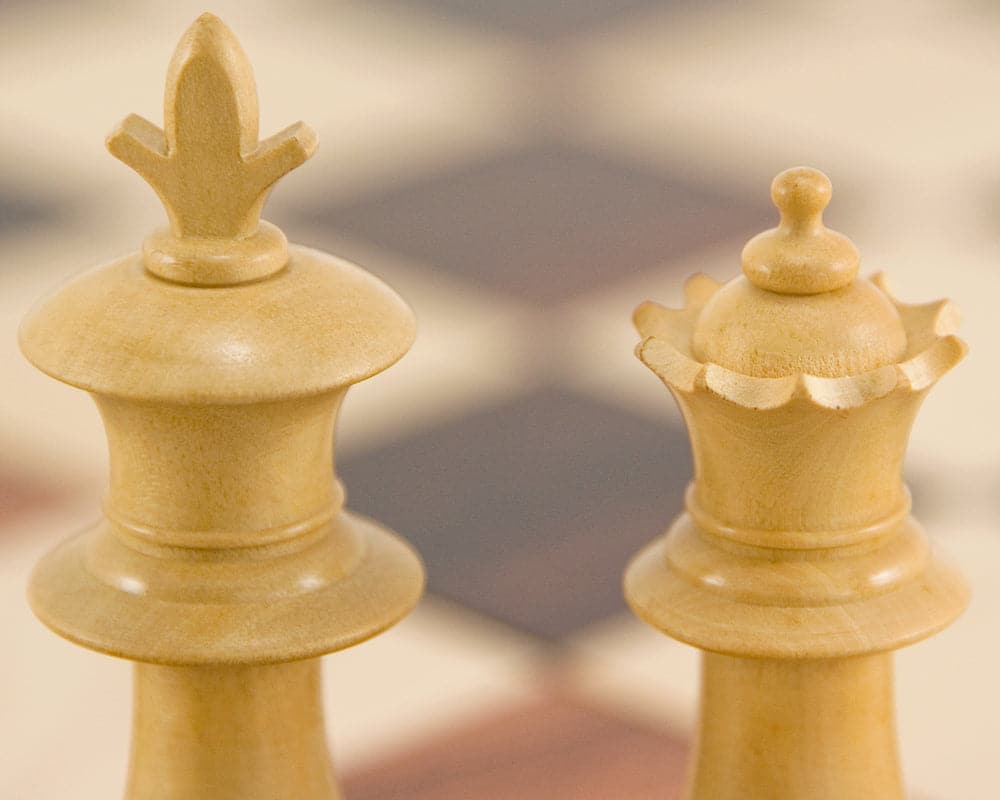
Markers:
point(551, 750)
point(529, 511)
point(537, 18)
point(21, 211)
point(544, 223)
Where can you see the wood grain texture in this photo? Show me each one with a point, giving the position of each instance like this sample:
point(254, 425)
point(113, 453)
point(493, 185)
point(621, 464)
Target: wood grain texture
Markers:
point(218, 358)
point(797, 565)
point(209, 141)
point(771, 729)
point(229, 733)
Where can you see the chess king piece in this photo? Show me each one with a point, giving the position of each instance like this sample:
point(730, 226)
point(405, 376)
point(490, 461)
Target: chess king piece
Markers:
point(796, 566)
point(218, 358)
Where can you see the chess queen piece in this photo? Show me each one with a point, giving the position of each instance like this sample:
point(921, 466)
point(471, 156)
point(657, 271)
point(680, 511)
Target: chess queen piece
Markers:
point(796, 567)
point(218, 357)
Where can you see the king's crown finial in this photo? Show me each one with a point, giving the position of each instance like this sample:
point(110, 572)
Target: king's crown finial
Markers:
point(207, 165)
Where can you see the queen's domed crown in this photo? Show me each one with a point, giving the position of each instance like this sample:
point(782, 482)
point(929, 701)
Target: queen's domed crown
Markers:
point(799, 321)
point(799, 307)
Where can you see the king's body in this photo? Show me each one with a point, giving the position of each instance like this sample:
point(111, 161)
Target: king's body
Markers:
point(218, 358)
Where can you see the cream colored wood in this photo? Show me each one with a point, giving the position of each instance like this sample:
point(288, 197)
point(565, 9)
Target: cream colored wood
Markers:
point(209, 140)
point(198, 733)
point(773, 729)
point(796, 564)
point(801, 256)
point(219, 357)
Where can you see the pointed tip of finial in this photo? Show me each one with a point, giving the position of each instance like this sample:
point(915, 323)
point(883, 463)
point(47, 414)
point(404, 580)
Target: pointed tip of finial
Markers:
point(207, 164)
point(208, 18)
point(210, 92)
point(208, 29)
point(209, 35)
point(801, 256)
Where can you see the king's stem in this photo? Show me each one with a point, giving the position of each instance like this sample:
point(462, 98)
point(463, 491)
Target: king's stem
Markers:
point(229, 733)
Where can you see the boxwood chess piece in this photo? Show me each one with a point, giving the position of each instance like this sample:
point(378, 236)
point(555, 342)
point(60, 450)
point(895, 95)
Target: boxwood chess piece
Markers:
point(218, 358)
point(796, 566)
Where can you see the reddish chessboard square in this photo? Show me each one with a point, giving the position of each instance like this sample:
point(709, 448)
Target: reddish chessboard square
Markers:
point(554, 749)
point(529, 511)
point(544, 223)
point(22, 494)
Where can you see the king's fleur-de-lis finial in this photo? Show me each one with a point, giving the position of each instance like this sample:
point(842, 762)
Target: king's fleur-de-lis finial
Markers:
point(207, 165)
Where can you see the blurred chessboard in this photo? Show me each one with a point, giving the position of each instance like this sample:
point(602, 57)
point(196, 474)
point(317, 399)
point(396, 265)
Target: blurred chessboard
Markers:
point(524, 173)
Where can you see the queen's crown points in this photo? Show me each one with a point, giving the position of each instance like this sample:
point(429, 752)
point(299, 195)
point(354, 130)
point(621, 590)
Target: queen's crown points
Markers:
point(207, 165)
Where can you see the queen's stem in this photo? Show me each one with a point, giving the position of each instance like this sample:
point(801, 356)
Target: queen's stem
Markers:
point(808, 729)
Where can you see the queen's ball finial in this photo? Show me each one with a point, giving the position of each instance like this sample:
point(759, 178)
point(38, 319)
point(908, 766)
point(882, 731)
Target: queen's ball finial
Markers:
point(801, 256)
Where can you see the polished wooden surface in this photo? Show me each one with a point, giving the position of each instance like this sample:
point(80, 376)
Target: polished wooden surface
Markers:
point(797, 565)
point(218, 358)
point(229, 733)
point(818, 728)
